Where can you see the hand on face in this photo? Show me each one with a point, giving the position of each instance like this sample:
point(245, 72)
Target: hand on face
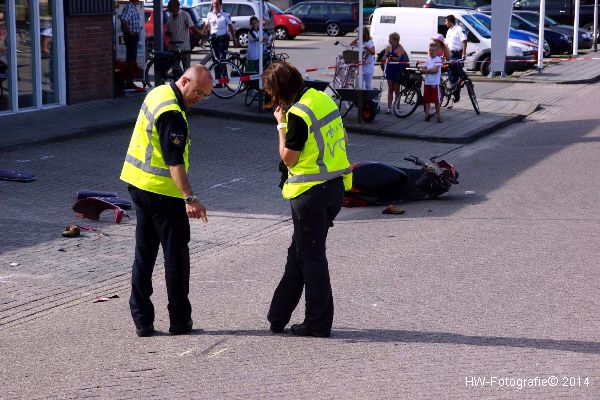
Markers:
point(279, 114)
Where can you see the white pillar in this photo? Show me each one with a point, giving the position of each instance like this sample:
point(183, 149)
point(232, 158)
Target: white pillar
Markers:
point(576, 29)
point(501, 12)
point(541, 30)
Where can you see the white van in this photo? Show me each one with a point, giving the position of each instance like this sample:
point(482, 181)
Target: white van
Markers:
point(416, 27)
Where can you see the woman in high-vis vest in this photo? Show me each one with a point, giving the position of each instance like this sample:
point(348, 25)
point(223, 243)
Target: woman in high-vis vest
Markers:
point(312, 144)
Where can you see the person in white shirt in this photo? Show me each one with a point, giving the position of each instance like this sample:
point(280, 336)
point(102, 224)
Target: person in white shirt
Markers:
point(368, 67)
point(218, 22)
point(456, 39)
point(432, 72)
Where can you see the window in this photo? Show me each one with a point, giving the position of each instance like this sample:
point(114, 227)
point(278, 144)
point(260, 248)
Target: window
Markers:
point(319, 9)
point(478, 26)
point(301, 9)
point(442, 28)
point(341, 9)
point(203, 9)
point(229, 8)
point(244, 10)
point(387, 19)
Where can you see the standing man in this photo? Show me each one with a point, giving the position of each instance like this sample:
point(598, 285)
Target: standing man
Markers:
point(178, 27)
point(456, 41)
point(131, 25)
point(156, 170)
point(218, 22)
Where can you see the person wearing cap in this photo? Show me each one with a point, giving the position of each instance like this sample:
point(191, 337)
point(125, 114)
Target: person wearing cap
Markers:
point(443, 51)
point(456, 39)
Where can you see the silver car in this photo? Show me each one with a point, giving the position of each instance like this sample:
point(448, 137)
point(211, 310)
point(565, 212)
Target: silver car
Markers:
point(240, 11)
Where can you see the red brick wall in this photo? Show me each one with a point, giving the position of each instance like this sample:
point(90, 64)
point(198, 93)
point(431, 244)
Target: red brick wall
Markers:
point(89, 58)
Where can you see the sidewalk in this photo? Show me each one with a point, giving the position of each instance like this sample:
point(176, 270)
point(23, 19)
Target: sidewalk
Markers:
point(460, 125)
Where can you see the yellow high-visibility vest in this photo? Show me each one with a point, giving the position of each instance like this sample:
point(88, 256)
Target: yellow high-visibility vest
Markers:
point(324, 154)
point(144, 166)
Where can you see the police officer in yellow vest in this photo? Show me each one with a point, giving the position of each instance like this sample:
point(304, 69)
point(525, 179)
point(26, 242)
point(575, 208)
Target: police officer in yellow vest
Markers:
point(156, 168)
point(312, 144)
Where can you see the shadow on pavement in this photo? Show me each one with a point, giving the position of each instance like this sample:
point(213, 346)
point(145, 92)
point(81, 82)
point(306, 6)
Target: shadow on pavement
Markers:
point(402, 336)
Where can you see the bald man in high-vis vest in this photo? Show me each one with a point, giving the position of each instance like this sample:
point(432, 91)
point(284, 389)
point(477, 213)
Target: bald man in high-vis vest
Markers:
point(156, 168)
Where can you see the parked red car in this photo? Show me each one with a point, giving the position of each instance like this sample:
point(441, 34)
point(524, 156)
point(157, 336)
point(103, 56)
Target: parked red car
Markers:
point(149, 26)
point(287, 26)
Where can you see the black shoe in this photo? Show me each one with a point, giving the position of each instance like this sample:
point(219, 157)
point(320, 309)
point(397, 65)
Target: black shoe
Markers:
point(181, 329)
point(301, 330)
point(145, 331)
point(275, 328)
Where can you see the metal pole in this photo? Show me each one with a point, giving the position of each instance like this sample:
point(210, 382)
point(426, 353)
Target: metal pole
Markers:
point(360, 43)
point(540, 63)
point(261, 4)
point(595, 32)
point(360, 54)
point(576, 29)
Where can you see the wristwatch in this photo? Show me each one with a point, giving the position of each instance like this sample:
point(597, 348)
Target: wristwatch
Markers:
point(190, 199)
point(282, 125)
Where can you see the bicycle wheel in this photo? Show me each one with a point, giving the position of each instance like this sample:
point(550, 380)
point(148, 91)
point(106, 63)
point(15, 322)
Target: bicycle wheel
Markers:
point(447, 93)
point(241, 64)
point(471, 91)
point(226, 78)
point(406, 102)
point(170, 76)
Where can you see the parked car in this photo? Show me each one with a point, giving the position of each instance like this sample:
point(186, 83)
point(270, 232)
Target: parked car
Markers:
point(149, 26)
point(287, 26)
point(515, 34)
point(416, 27)
point(562, 11)
point(585, 39)
point(559, 42)
point(464, 4)
point(335, 18)
point(240, 12)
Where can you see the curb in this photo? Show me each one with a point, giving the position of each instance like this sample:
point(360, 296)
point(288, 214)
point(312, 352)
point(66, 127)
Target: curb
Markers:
point(267, 118)
point(481, 132)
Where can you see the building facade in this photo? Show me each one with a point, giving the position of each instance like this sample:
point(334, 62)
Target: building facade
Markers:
point(54, 52)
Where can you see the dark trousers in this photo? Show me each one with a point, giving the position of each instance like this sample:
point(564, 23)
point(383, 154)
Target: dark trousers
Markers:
point(220, 44)
point(131, 41)
point(455, 69)
point(313, 213)
point(160, 220)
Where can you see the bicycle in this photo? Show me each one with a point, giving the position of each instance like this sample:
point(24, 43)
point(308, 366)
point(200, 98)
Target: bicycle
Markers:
point(225, 74)
point(410, 96)
point(448, 92)
point(167, 64)
point(346, 68)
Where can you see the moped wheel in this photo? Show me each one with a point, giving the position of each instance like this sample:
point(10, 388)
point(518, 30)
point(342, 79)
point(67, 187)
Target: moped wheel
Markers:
point(406, 102)
point(472, 96)
point(226, 78)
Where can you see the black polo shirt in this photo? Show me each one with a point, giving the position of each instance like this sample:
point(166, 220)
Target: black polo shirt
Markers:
point(173, 132)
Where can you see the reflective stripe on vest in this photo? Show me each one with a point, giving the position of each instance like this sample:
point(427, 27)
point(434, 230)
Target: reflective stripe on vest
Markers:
point(316, 126)
point(146, 165)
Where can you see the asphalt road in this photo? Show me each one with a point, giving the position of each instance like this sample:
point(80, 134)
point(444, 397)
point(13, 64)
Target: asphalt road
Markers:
point(490, 295)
